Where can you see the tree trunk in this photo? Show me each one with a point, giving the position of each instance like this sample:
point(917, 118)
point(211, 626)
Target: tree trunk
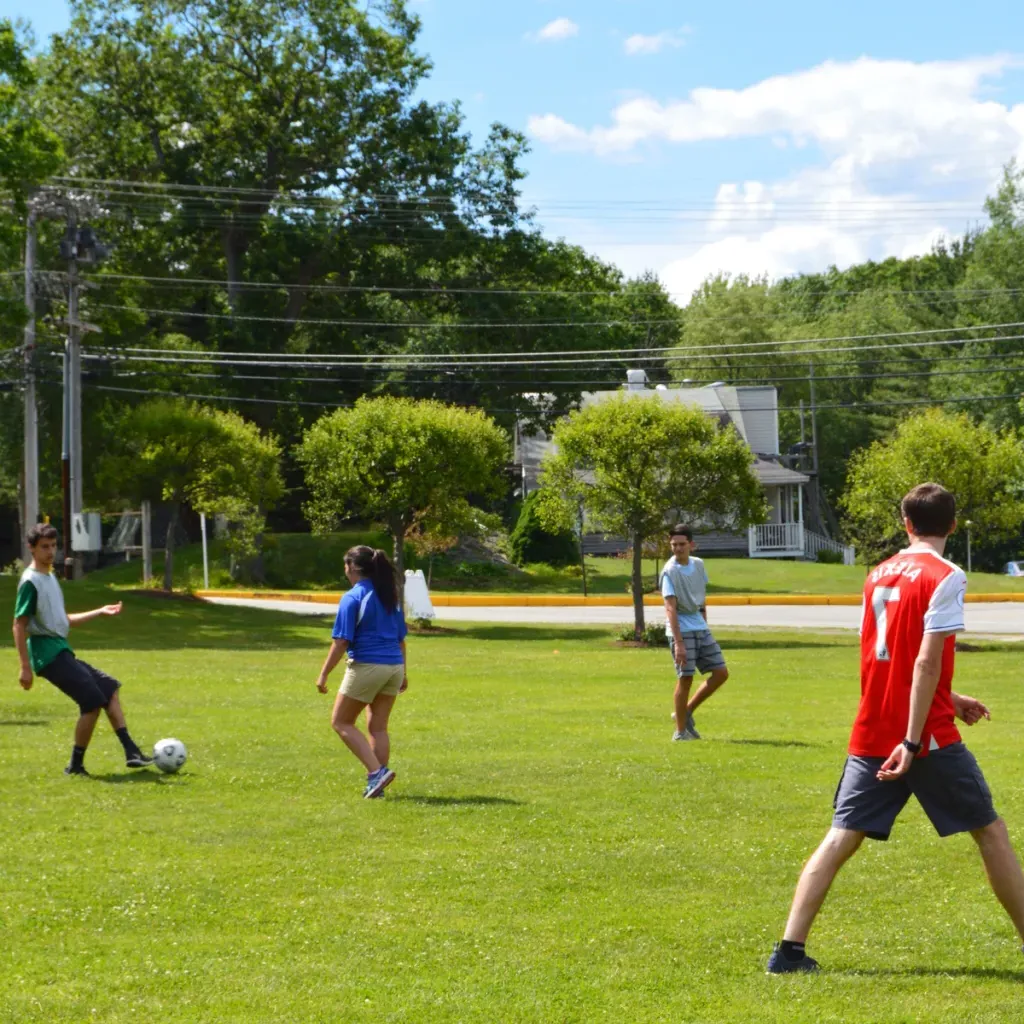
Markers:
point(235, 243)
point(169, 548)
point(638, 586)
point(398, 528)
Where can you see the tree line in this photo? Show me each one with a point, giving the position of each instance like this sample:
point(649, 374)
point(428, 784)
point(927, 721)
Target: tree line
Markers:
point(269, 181)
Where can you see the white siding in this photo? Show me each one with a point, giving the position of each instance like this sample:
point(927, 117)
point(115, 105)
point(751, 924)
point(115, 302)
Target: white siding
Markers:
point(759, 408)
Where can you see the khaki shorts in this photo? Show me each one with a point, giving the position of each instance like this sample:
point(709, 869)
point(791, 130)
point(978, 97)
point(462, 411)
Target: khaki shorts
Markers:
point(365, 682)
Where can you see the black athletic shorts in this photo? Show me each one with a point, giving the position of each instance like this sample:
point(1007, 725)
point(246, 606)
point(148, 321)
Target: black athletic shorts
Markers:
point(948, 785)
point(88, 687)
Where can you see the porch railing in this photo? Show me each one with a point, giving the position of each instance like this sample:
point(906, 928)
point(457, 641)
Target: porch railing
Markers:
point(794, 540)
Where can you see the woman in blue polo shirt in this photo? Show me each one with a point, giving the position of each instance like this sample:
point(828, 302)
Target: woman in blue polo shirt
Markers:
point(370, 629)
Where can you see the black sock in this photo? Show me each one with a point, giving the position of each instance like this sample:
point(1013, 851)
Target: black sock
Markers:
point(77, 757)
point(130, 746)
point(792, 951)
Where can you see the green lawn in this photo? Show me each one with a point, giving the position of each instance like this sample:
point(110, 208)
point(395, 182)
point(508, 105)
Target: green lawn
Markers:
point(303, 562)
point(545, 855)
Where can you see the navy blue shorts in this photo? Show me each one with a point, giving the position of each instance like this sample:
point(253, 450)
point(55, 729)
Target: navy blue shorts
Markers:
point(948, 785)
point(88, 687)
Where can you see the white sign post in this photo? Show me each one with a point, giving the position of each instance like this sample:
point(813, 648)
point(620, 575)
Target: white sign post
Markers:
point(417, 598)
point(206, 561)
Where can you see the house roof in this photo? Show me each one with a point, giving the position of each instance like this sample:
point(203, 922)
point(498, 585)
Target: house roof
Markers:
point(771, 473)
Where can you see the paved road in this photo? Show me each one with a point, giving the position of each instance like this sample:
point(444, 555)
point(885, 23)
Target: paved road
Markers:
point(986, 619)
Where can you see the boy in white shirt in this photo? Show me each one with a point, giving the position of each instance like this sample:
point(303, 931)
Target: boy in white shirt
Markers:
point(684, 583)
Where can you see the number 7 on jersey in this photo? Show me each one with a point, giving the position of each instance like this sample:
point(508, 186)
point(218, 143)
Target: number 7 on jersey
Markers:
point(881, 598)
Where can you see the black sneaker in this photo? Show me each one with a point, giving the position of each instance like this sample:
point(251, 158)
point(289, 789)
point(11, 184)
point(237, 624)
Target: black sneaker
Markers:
point(778, 964)
point(80, 770)
point(138, 760)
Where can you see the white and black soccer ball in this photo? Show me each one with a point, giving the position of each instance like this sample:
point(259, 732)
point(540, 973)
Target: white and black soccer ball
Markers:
point(169, 755)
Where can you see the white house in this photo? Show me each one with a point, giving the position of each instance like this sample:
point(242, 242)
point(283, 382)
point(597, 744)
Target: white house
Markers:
point(754, 413)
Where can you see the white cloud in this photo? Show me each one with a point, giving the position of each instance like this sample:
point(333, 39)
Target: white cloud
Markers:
point(875, 109)
point(639, 44)
point(555, 31)
point(861, 126)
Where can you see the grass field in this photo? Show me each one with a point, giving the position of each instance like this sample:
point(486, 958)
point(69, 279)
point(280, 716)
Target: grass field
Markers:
point(545, 855)
point(303, 562)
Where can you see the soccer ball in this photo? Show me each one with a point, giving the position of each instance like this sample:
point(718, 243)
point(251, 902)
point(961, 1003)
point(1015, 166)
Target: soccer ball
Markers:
point(169, 755)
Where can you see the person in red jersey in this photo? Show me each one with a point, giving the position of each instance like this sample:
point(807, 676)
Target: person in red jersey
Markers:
point(905, 741)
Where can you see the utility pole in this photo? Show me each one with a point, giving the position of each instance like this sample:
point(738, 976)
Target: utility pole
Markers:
point(817, 519)
point(71, 469)
point(31, 431)
point(814, 425)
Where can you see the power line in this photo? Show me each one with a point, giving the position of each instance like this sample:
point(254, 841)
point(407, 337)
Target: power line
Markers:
point(406, 325)
point(529, 357)
point(897, 403)
point(412, 361)
point(439, 290)
point(214, 192)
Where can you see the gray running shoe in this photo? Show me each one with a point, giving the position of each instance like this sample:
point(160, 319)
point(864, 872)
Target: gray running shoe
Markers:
point(679, 737)
point(778, 964)
point(691, 728)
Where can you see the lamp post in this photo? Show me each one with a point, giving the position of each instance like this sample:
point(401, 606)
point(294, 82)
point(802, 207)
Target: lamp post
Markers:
point(967, 525)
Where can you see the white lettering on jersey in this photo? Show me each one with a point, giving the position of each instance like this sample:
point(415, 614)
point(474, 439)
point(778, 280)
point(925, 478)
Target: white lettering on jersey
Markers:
point(881, 597)
point(902, 568)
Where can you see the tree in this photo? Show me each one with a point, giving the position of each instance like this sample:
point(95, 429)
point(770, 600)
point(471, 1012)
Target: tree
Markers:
point(29, 151)
point(633, 463)
point(401, 461)
point(180, 452)
point(303, 107)
point(983, 468)
point(530, 542)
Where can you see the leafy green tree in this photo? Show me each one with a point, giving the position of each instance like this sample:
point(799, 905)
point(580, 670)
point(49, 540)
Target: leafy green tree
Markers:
point(634, 463)
point(301, 114)
point(726, 315)
point(180, 452)
point(400, 462)
point(529, 541)
point(992, 292)
point(29, 151)
point(982, 467)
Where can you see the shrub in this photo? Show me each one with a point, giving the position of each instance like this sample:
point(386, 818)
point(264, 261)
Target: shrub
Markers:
point(653, 634)
point(530, 542)
point(828, 557)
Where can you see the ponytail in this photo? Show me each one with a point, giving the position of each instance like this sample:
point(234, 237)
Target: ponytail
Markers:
point(382, 573)
point(377, 568)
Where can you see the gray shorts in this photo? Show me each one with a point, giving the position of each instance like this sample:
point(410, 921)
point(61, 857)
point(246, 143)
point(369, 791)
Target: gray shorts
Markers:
point(702, 652)
point(948, 785)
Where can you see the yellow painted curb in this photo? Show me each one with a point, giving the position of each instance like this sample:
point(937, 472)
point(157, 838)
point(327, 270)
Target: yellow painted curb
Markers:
point(578, 601)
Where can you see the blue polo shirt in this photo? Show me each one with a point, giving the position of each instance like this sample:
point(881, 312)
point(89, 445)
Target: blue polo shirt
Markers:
point(373, 634)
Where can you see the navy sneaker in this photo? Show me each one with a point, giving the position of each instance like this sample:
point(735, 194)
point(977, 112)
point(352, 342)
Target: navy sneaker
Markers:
point(138, 760)
point(377, 782)
point(80, 770)
point(778, 964)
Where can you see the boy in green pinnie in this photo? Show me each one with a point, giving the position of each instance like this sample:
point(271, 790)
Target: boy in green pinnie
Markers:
point(41, 628)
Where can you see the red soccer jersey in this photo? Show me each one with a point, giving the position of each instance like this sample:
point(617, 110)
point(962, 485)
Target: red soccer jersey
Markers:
point(913, 593)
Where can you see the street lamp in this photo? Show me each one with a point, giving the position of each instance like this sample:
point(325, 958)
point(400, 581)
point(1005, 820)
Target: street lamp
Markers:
point(967, 525)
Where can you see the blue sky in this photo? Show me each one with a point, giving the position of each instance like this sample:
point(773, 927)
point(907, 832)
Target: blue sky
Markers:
point(691, 139)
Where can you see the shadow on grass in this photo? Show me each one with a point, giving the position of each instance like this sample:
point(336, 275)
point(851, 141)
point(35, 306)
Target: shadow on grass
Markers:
point(771, 743)
point(993, 973)
point(23, 721)
point(516, 631)
point(456, 801)
point(845, 638)
point(136, 777)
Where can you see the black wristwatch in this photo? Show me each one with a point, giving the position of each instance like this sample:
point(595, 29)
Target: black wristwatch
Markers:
point(914, 748)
